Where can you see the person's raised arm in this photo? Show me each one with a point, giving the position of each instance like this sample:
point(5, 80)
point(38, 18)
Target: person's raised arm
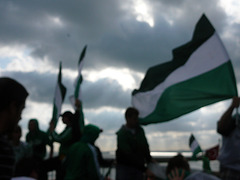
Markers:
point(226, 123)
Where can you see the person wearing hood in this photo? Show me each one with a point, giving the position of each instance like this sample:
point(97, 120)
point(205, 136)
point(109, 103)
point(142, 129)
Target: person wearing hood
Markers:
point(81, 162)
point(38, 139)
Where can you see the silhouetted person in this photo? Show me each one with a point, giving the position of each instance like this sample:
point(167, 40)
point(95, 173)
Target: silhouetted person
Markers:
point(38, 139)
point(229, 127)
point(132, 149)
point(12, 101)
point(81, 161)
point(66, 138)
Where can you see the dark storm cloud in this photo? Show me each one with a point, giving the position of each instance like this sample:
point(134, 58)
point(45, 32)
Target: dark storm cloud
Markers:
point(114, 36)
point(105, 92)
point(32, 24)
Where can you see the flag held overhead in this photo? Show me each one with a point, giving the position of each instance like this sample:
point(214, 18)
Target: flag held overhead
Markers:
point(199, 74)
point(60, 92)
point(77, 93)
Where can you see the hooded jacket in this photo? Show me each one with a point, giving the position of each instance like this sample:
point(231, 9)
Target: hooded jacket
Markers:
point(38, 141)
point(82, 160)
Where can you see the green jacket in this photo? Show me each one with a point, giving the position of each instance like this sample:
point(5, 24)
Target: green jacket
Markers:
point(132, 148)
point(38, 141)
point(81, 162)
point(70, 134)
point(64, 138)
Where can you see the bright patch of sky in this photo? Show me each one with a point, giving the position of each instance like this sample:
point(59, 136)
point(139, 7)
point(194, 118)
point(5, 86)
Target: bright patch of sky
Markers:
point(17, 58)
point(217, 108)
point(68, 73)
point(231, 7)
point(104, 109)
point(143, 12)
point(123, 76)
point(55, 20)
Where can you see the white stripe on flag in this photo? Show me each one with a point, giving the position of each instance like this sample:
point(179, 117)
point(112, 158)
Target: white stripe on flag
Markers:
point(208, 56)
point(194, 145)
point(58, 100)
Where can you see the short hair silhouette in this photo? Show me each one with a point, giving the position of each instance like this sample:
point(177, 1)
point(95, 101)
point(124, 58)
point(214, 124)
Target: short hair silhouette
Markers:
point(11, 91)
point(178, 161)
point(130, 112)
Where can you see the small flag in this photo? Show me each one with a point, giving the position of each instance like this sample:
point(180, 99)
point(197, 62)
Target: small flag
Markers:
point(194, 146)
point(59, 96)
point(212, 153)
point(77, 92)
point(199, 74)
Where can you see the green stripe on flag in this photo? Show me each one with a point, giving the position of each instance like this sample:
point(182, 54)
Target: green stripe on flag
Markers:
point(77, 88)
point(193, 94)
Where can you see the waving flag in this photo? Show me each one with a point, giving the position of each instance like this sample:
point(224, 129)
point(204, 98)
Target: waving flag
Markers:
point(59, 96)
point(195, 147)
point(77, 92)
point(77, 84)
point(199, 74)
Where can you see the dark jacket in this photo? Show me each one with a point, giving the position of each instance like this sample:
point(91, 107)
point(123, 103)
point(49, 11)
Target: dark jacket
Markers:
point(132, 148)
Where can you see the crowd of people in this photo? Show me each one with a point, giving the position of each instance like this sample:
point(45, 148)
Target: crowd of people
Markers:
point(78, 156)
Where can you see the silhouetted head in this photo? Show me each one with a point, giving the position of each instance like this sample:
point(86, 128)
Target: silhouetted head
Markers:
point(67, 117)
point(131, 116)
point(12, 101)
point(33, 125)
point(178, 161)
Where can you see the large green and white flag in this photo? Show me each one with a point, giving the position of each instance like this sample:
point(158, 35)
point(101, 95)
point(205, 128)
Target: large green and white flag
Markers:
point(199, 74)
point(59, 96)
point(194, 146)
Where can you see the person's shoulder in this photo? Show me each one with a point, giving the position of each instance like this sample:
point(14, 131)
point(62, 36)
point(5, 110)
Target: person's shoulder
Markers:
point(140, 129)
point(79, 145)
point(42, 133)
point(121, 130)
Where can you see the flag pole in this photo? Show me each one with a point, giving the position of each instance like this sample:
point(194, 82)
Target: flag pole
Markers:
point(237, 117)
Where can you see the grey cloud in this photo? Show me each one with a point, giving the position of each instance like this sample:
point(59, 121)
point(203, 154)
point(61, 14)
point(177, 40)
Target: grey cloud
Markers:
point(110, 122)
point(40, 86)
point(114, 36)
point(105, 92)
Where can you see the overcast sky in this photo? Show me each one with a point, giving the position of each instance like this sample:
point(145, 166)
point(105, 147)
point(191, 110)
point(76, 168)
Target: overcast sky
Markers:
point(124, 39)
